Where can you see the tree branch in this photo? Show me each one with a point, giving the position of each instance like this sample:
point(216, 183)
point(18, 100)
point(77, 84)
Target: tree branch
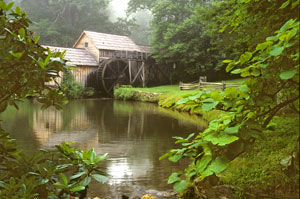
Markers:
point(276, 109)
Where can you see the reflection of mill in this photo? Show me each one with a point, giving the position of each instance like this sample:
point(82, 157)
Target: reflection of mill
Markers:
point(127, 131)
point(52, 127)
point(107, 120)
point(131, 128)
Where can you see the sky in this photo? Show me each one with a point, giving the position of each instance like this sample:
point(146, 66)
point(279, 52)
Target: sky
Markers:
point(118, 8)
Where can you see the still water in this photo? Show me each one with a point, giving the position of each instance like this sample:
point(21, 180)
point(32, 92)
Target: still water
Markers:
point(134, 134)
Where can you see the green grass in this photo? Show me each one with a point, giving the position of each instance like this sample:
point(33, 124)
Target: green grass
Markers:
point(236, 81)
point(166, 96)
point(167, 89)
point(261, 167)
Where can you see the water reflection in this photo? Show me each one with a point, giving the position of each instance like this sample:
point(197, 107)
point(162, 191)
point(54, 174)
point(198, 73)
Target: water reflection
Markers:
point(133, 134)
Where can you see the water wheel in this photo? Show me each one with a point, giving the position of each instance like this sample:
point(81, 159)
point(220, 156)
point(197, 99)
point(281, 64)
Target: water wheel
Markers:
point(112, 72)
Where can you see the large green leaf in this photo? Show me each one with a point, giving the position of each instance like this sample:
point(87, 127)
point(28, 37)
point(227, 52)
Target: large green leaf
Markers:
point(101, 158)
point(219, 165)
point(255, 72)
point(220, 139)
point(277, 50)
point(288, 74)
point(196, 96)
point(60, 185)
point(227, 61)
point(77, 175)
point(176, 157)
point(209, 106)
point(174, 178)
point(264, 45)
point(285, 4)
point(232, 130)
point(18, 55)
point(203, 162)
point(230, 66)
point(85, 181)
point(182, 101)
point(180, 186)
point(100, 178)
point(63, 178)
point(207, 173)
point(245, 57)
point(22, 32)
point(78, 188)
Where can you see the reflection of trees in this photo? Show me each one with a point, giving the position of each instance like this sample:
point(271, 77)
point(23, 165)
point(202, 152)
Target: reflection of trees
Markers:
point(52, 127)
point(133, 134)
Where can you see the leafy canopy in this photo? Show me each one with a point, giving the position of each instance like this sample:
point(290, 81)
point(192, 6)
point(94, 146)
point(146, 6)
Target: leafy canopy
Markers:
point(25, 69)
point(273, 65)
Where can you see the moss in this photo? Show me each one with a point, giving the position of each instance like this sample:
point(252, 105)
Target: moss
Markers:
point(261, 168)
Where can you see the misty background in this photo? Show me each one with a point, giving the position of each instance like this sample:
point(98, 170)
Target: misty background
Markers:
point(60, 23)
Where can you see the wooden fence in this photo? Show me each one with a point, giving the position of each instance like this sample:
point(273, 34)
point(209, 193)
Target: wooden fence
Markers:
point(203, 85)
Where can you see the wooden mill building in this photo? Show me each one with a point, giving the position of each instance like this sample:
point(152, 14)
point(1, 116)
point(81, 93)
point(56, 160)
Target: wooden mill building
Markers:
point(107, 60)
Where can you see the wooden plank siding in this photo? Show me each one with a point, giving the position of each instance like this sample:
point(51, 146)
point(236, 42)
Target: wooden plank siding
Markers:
point(82, 74)
point(91, 48)
point(84, 63)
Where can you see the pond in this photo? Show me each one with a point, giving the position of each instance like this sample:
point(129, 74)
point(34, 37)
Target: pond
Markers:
point(134, 134)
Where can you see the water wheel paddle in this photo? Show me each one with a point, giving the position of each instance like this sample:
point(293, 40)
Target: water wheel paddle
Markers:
point(112, 72)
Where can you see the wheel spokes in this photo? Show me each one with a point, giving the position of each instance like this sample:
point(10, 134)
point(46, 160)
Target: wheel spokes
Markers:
point(116, 73)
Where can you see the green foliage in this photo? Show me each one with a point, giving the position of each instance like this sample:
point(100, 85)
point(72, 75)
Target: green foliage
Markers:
point(61, 22)
point(168, 97)
point(25, 67)
point(73, 89)
point(247, 173)
point(43, 175)
point(124, 93)
point(135, 5)
point(273, 67)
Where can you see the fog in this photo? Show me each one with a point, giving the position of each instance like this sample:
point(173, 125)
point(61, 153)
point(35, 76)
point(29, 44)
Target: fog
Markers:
point(118, 9)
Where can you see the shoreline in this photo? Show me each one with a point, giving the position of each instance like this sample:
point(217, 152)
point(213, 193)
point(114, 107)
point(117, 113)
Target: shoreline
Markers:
point(270, 180)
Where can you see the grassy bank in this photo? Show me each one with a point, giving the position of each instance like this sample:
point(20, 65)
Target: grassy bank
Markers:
point(164, 96)
point(270, 165)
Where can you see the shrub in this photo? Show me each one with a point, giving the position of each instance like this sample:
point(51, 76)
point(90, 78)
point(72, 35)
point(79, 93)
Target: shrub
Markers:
point(73, 89)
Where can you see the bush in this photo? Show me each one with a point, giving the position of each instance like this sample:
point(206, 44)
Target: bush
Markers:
point(73, 89)
point(25, 67)
point(46, 174)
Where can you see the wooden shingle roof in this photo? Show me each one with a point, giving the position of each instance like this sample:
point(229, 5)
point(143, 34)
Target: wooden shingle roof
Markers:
point(106, 41)
point(76, 56)
point(145, 49)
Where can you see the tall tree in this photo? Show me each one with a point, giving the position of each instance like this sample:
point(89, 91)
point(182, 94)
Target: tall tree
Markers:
point(272, 61)
point(60, 22)
point(141, 34)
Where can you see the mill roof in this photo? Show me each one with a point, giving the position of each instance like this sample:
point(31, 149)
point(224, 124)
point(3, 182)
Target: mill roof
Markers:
point(112, 42)
point(76, 56)
point(146, 49)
